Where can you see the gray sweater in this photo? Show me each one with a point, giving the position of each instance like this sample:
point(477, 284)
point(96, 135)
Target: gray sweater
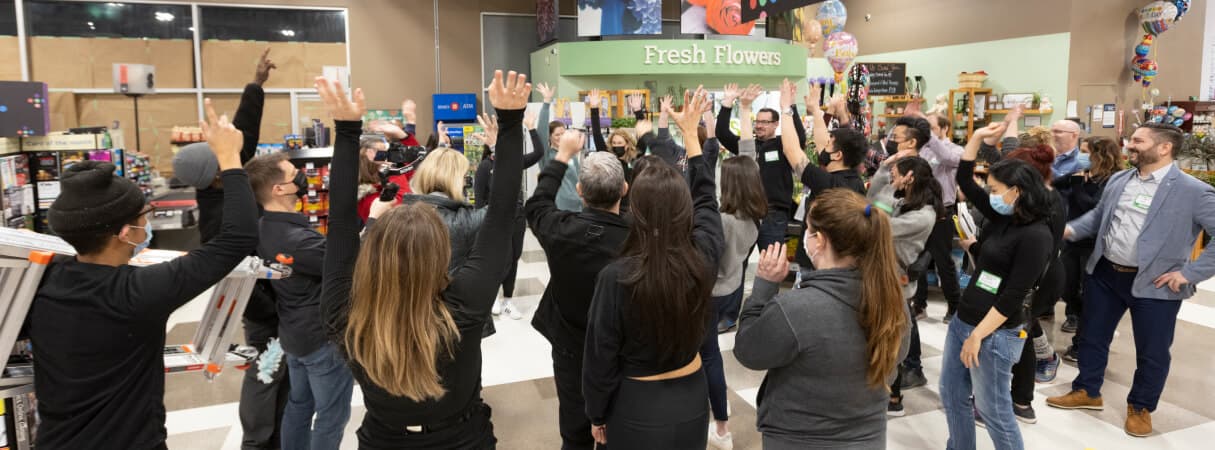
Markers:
point(740, 234)
point(910, 229)
point(811, 342)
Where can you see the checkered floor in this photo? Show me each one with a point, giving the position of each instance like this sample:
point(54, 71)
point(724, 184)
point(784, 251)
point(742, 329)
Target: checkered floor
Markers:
point(517, 375)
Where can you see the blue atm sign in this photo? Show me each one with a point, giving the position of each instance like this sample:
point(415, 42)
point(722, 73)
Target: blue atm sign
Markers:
point(455, 107)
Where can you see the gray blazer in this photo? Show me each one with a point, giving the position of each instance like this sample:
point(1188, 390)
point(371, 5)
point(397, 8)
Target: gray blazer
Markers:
point(1182, 206)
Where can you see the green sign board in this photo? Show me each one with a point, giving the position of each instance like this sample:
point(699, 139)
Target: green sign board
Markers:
point(682, 57)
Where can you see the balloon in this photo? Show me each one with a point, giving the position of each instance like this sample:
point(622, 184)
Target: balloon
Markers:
point(1178, 122)
point(1183, 6)
point(1144, 46)
point(1179, 112)
point(1155, 92)
point(832, 15)
point(1157, 17)
point(1187, 117)
point(812, 31)
point(840, 49)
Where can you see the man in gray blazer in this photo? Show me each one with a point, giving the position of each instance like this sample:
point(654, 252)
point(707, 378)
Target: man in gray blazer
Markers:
point(1145, 225)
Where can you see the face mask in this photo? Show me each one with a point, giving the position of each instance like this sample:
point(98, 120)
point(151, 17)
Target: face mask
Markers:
point(618, 150)
point(997, 203)
point(147, 229)
point(892, 147)
point(301, 184)
point(806, 247)
point(1084, 162)
point(824, 157)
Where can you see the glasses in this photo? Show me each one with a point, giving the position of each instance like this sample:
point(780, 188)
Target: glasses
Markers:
point(765, 122)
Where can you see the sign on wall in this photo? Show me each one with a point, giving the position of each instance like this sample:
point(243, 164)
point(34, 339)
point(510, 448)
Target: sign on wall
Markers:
point(690, 57)
point(887, 78)
point(455, 107)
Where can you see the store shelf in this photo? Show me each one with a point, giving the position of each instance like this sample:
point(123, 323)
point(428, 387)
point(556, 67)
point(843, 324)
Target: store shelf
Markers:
point(1028, 112)
point(898, 99)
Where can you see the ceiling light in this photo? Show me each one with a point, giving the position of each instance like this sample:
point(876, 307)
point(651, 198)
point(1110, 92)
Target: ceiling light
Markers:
point(288, 33)
point(164, 16)
point(114, 5)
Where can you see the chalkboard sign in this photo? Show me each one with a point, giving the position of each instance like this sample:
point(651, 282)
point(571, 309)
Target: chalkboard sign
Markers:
point(887, 78)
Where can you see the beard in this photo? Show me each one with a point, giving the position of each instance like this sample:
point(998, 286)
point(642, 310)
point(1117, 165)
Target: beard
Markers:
point(1142, 158)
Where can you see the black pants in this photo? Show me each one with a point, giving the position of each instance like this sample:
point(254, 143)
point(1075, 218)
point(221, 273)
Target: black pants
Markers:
point(1043, 301)
point(516, 239)
point(940, 245)
point(575, 426)
point(1075, 258)
point(476, 432)
point(261, 404)
point(667, 414)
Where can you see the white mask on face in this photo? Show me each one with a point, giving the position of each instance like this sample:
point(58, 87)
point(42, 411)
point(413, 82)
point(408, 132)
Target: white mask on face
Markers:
point(806, 247)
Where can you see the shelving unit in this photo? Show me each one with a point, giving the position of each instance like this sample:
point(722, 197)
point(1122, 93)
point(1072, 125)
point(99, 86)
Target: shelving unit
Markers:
point(891, 99)
point(1027, 112)
point(972, 113)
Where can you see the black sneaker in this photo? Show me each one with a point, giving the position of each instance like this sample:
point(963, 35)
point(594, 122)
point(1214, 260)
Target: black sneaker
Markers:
point(1025, 414)
point(725, 326)
point(1069, 325)
point(918, 312)
point(948, 317)
point(912, 378)
point(1072, 354)
point(894, 408)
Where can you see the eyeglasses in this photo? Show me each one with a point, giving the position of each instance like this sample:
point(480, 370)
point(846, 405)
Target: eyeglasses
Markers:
point(765, 122)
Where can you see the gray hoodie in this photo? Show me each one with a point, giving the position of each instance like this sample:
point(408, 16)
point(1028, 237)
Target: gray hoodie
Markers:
point(910, 229)
point(811, 342)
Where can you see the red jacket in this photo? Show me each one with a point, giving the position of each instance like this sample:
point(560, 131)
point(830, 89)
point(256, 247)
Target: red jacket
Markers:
point(367, 200)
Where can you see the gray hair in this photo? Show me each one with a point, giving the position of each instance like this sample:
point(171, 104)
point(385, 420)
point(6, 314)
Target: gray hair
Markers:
point(602, 180)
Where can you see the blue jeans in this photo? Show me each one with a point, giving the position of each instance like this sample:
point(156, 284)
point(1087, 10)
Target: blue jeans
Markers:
point(773, 229)
point(320, 383)
point(1107, 297)
point(989, 382)
point(710, 356)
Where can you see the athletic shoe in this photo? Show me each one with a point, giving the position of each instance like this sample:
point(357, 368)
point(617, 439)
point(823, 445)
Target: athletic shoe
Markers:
point(1026, 414)
point(948, 317)
point(498, 304)
point(919, 312)
point(513, 311)
point(913, 378)
point(726, 326)
point(1069, 325)
point(1076, 400)
point(1047, 369)
point(894, 408)
point(717, 441)
point(1072, 354)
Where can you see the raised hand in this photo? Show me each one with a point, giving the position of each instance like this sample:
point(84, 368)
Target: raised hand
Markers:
point(1015, 113)
point(490, 124)
point(635, 102)
point(992, 129)
point(264, 65)
point(773, 264)
point(387, 129)
point(409, 109)
point(788, 92)
point(443, 137)
point(594, 100)
point(529, 120)
point(665, 103)
point(572, 141)
point(812, 99)
point(511, 93)
point(694, 104)
point(730, 94)
point(336, 104)
point(547, 91)
point(838, 105)
point(225, 140)
point(643, 126)
point(748, 96)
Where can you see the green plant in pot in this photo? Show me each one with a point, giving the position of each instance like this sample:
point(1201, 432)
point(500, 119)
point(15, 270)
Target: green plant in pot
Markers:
point(1200, 148)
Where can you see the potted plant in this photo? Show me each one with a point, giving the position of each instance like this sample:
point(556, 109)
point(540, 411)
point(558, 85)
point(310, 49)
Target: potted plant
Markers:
point(1200, 148)
point(1037, 102)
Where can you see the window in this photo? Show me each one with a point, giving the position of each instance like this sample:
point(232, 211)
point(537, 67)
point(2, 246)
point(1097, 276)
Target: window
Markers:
point(301, 42)
point(272, 25)
point(108, 19)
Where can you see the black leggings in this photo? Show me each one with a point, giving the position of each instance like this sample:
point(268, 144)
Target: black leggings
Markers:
point(516, 240)
point(1043, 301)
point(667, 414)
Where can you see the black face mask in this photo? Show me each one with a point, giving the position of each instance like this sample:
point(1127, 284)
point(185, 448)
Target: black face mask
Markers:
point(301, 184)
point(618, 151)
point(824, 158)
point(892, 147)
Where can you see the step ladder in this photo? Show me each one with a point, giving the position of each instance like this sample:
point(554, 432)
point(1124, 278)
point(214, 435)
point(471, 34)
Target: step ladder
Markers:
point(24, 257)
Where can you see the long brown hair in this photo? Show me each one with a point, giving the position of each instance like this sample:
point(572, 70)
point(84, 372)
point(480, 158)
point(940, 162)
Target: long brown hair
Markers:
point(669, 278)
point(1105, 155)
point(398, 327)
point(742, 192)
point(369, 171)
point(857, 230)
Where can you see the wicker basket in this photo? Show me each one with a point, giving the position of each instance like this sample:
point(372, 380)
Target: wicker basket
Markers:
point(971, 80)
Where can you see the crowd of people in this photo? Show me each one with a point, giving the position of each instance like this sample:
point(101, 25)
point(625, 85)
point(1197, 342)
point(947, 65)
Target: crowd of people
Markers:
point(647, 242)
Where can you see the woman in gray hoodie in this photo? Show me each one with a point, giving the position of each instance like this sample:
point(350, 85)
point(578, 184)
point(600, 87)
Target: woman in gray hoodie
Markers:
point(831, 347)
point(905, 187)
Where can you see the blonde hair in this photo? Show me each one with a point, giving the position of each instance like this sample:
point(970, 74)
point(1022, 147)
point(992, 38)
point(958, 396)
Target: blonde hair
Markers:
point(630, 144)
point(1038, 135)
point(398, 327)
point(443, 171)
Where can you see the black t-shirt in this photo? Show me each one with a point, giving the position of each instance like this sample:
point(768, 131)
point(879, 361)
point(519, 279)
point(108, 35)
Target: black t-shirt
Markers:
point(819, 180)
point(774, 167)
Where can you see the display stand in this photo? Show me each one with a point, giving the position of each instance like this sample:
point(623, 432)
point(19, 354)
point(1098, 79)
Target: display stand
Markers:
point(24, 257)
point(973, 113)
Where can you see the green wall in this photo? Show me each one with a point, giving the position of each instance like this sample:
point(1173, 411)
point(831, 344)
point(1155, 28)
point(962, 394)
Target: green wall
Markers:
point(1021, 65)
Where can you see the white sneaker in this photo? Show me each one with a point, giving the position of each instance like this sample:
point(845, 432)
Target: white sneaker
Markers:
point(498, 304)
point(719, 442)
point(511, 310)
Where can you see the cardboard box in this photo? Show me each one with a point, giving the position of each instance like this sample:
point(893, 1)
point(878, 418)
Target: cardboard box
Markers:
point(55, 142)
point(10, 145)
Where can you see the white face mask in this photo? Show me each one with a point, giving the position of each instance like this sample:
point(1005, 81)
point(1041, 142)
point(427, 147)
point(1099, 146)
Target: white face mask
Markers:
point(806, 247)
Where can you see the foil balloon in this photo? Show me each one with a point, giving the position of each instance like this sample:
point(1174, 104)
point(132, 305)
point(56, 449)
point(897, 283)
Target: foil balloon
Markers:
point(1145, 46)
point(832, 15)
point(1136, 64)
point(1148, 70)
point(1183, 6)
point(1157, 17)
point(840, 49)
point(812, 31)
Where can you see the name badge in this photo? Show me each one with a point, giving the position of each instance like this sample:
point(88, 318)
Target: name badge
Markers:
point(771, 156)
point(1142, 202)
point(989, 282)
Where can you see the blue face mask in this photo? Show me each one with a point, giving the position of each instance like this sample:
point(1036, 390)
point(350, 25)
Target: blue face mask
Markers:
point(997, 203)
point(1083, 161)
point(147, 230)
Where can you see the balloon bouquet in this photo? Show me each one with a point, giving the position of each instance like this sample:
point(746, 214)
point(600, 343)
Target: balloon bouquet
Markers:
point(839, 46)
point(1171, 115)
point(1155, 18)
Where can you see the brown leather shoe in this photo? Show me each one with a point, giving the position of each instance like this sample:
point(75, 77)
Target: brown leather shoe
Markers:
point(1076, 400)
point(1138, 422)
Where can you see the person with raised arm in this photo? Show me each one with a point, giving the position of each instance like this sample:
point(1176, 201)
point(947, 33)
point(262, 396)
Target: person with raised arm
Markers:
point(410, 330)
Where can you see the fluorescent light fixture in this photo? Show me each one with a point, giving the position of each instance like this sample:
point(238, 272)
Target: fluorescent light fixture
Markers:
point(287, 33)
point(164, 16)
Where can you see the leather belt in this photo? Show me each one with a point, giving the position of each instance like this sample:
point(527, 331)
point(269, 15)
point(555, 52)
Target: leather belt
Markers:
point(445, 424)
point(1122, 268)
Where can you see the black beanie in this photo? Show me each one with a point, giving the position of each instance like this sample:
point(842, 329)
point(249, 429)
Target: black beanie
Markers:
point(94, 200)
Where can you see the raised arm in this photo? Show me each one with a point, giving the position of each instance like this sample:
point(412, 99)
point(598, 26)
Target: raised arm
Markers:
point(820, 133)
point(966, 170)
point(530, 159)
point(790, 139)
point(248, 118)
point(765, 337)
point(543, 216)
point(727, 138)
point(596, 129)
point(542, 123)
point(342, 241)
point(746, 129)
point(706, 220)
point(409, 110)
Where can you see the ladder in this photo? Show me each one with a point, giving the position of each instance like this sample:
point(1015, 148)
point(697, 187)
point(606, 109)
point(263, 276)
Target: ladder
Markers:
point(25, 255)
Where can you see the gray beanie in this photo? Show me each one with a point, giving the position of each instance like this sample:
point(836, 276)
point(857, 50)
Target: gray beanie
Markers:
point(196, 165)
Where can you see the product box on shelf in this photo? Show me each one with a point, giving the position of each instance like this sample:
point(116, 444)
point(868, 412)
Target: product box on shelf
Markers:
point(60, 141)
point(9, 145)
point(18, 194)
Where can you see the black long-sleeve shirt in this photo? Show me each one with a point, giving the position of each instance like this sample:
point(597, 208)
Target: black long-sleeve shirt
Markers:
point(483, 178)
point(1010, 256)
point(99, 334)
point(1082, 196)
point(614, 351)
point(597, 132)
point(468, 297)
point(774, 167)
point(298, 296)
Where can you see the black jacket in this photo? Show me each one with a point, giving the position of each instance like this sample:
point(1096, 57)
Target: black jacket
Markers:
point(299, 296)
point(578, 245)
point(462, 220)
